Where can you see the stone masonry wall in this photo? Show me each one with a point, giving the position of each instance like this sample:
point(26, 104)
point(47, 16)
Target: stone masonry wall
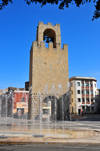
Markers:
point(50, 66)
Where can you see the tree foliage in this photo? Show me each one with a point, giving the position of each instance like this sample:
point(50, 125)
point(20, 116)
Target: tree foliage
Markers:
point(61, 3)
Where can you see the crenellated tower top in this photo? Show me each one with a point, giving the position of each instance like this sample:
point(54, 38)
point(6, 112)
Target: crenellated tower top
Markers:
point(48, 33)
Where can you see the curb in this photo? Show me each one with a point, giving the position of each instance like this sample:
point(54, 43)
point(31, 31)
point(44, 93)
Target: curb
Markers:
point(97, 131)
point(79, 119)
point(47, 143)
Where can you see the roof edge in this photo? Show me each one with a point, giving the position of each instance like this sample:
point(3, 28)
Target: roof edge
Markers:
point(82, 78)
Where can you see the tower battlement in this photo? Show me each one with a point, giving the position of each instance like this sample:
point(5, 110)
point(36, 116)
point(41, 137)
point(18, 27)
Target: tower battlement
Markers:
point(50, 46)
point(41, 23)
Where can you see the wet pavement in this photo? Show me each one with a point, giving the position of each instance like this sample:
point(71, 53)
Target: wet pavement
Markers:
point(82, 129)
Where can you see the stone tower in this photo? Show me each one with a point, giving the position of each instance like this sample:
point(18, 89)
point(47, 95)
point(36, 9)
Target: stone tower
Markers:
point(48, 65)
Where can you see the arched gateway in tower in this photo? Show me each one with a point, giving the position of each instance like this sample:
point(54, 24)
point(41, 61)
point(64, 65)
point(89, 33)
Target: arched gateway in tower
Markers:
point(48, 75)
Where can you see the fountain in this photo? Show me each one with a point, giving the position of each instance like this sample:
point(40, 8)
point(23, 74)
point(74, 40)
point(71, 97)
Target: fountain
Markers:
point(49, 116)
point(51, 123)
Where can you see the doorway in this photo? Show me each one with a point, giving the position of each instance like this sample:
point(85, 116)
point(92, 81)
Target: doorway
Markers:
point(79, 111)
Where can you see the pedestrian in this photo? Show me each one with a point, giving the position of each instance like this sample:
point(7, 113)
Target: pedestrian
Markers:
point(81, 112)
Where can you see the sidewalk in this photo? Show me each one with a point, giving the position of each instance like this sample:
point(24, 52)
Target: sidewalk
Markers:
point(73, 137)
point(77, 117)
point(90, 116)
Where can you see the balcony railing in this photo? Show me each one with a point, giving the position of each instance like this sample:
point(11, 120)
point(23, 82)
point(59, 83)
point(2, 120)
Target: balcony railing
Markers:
point(83, 102)
point(86, 87)
point(87, 95)
point(87, 102)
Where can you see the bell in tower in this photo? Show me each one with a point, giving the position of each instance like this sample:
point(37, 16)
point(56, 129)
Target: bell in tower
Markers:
point(47, 39)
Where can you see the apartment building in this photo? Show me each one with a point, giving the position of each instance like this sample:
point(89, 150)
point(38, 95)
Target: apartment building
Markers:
point(83, 92)
point(14, 101)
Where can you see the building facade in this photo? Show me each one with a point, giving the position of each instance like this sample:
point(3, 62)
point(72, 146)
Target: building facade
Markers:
point(48, 68)
point(83, 92)
point(27, 86)
point(3, 91)
point(14, 102)
point(97, 100)
point(20, 102)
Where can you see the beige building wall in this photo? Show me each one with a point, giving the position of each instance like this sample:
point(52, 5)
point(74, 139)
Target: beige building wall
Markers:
point(73, 97)
point(48, 66)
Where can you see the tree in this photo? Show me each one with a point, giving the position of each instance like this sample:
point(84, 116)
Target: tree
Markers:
point(61, 3)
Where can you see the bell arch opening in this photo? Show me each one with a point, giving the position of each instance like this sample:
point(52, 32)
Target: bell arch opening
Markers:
point(49, 35)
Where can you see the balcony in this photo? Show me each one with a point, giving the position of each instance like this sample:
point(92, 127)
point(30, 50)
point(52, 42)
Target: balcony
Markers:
point(87, 102)
point(91, 85)
point(86, 87)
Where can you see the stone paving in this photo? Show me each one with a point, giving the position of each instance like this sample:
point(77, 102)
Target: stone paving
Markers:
point(68, 136)
point(77, 137)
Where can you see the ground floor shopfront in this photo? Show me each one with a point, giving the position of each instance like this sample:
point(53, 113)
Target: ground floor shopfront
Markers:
point(84, 109)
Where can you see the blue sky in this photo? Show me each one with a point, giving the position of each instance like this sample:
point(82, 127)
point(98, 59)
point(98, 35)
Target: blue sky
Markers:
point(18, 23)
